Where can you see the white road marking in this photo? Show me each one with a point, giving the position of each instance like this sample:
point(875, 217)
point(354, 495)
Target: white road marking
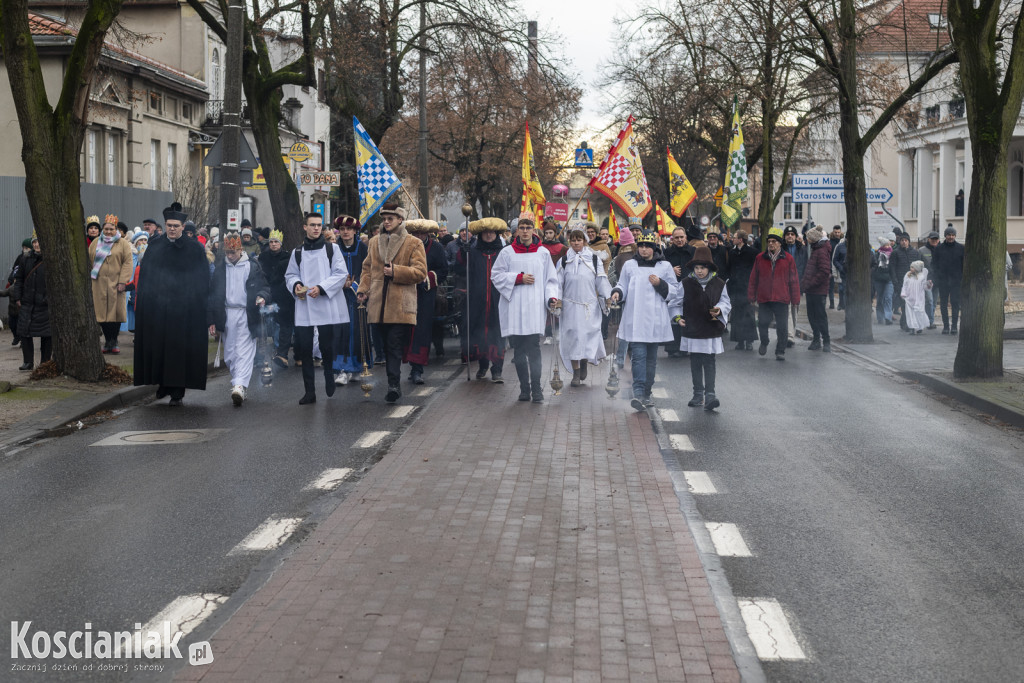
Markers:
point(370, 439)
point(267, 536)
point(331, 478)
point(699, 483)
point(769, 629)
point(182, 614)
point(424, 391)
point(453, 361)
point(728, 540)
point(668, 415)
point(401, 411)
point(659, 392)
point(680, 442)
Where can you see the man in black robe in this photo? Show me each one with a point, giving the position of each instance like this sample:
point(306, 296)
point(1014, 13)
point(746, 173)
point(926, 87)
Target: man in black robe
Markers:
point(171, 339)
point(483, 326)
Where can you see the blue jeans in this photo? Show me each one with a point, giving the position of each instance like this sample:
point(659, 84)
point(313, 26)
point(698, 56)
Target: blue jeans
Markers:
point(883, 304)
point(645, 363)
point(929, 306)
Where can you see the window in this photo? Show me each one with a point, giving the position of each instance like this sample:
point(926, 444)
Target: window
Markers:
point(913, 185)
point(171, 108)
point(172, 165)
point(113, 147)
point(321, 85)
point(1015, 192)
point(798, 212)
point(90, 156)
point(186, 112)
point(936, 21)
point(931, 115)
point(215, 93)
point(957, 109)
point(156, 102)
point(154, 163)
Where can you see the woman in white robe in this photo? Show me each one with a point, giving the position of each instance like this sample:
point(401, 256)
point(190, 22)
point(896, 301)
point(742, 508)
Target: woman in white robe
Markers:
point(915, 284)
point(585, 288)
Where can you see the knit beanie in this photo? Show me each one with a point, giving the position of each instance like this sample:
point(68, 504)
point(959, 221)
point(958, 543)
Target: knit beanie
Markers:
point(626, 238)
point(814, 235)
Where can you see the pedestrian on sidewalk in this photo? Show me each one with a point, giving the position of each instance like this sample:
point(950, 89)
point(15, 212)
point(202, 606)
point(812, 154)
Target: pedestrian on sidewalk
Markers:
point(948, 262)
point(525, 278)
point(645, 286)
point(701, 309)
point(815, 285)
point(396, 263)
point(238, 290)
point(915, 285)
point(29, 293)
point(171, 290)
point(482, 327)
point(838, 277)
point(881, 278)
point(417, 355)
point(743, 328)
point(274, 264)
point(678, 253)
point(585, 288)
point(351, 338)
point(927, 254)
point(111, 272)
point(775, 287)
point(902, 256)
point(316, 276)
point(12, 304)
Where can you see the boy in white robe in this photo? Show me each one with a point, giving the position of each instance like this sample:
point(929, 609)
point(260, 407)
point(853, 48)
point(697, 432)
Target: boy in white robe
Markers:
point(237, 291)
point(316, 278)
point(585, 287)
point(645, 286)
point(526, 280)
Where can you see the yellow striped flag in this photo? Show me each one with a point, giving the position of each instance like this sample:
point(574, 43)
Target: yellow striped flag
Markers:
point(533, 194)
point(590, 213)
point(613, 225)
point(680, 190)
point(665, 223)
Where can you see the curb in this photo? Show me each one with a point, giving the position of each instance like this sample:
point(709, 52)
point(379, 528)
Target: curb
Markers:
point(1000, 411)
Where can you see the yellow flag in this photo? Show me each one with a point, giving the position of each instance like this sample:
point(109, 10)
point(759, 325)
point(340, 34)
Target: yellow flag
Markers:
point(735, 186)
point(613, 225)
point(590, 213)
point(665, 223)
point(533, 193)
point(680, 189)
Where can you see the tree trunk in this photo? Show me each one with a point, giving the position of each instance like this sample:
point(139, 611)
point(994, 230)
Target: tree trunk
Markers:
point(979, 350)
point(265, 115)
point(51, 143)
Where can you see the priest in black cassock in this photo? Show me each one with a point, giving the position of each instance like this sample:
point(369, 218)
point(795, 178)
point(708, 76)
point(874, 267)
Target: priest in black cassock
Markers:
point(171, 339)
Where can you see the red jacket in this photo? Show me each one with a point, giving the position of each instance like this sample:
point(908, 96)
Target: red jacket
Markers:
point(818, 269)
point(780, 286)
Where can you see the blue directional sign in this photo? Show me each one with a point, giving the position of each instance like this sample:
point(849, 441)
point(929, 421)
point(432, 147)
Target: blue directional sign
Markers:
point(832, 195)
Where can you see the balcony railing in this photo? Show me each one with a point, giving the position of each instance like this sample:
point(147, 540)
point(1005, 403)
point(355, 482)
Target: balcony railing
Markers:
point(215, 114)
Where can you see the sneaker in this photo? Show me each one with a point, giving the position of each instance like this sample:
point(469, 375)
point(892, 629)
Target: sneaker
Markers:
point(780, 356)
point(343, 378)
point(481, 373)
point(496, 378)
point(826, 347)
point(815, 345)
point(945, 330)
point(418, 378)
point(524, 396)
point(712, 402)
point(762, 349)
point(932, 326)
point(547, 341)
point(394, 393)
point(952, 330)
point(648, 402)
point(888, 322)
point(106, 349)
point(237, 395)
point(176, 402)
point(317, 362)
point(538, 398)
point(115, 349)
point(307, 399)
point(696, 401)
point(790, 343)
point(638, 405)
point(749, 346)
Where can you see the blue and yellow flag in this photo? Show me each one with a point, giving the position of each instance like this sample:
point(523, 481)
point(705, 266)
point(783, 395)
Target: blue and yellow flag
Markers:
point(377, 181)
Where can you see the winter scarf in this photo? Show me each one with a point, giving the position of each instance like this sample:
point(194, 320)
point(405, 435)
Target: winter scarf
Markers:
point(703, 280)
point(103, 247)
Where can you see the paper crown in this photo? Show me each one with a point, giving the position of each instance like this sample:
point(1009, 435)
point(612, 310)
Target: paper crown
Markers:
point(92, 220)
point(276, 235)
point(110, 218)
point(232, 241)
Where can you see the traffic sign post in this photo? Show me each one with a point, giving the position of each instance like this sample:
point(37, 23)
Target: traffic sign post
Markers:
point(875, 195)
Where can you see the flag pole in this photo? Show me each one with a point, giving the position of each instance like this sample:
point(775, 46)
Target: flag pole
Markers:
point(412, 201)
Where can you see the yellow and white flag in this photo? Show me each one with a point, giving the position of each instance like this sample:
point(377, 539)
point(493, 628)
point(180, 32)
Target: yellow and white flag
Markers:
point(681, 191)
point(735, 173)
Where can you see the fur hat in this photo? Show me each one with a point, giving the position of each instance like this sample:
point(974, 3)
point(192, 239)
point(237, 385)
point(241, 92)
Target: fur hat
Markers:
point(701, 257)
point(484, 224)
point(394, 209)
point(344, 221)
point(140, 235)
point(626, 238)
point(275, 235)
point(421, 225)
point(814, 235)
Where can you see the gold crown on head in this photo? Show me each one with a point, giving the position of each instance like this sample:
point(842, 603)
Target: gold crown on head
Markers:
point(110, 218)
point(92, 219)
point(276, 235)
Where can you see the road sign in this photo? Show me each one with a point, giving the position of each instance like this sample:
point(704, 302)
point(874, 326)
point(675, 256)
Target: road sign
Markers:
point(319, 208)
point(299, 152)
point(234, 219)
point(331, 178)
point(818, 181)
point(246, 158)
point(876, 195)
point(584, 157)
point(718, 197)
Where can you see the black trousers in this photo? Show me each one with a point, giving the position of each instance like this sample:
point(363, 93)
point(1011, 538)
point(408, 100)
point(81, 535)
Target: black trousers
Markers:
point(304, 352)
point(527, 360)
point(817, 316)
point(780, 313)
point(495, 366)
point(28, 349)
point(394, 337)
point(702, 370)
point(286, 324)
point(110, 331)
point(949, 294)
point(13, 320)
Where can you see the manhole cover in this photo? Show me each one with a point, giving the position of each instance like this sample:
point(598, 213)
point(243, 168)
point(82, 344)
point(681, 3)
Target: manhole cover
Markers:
point(159, 437)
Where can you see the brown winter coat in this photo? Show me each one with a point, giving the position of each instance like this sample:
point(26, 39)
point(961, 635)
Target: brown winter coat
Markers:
point(116, 269)
point(410, 268)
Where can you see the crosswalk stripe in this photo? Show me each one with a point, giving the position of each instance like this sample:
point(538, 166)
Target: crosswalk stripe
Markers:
point(727, 539)
point(424, 391)
point(183, 614)
point(668, 415)
point(401, 411)
point(769, 630)
point(267, 536)
point(659, 392)
point(699, 483)
point(680, 442)
point(370, 439)
point(330, 479)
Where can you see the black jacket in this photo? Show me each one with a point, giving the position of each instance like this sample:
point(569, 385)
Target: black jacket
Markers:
point(274, 267)
point(948, 262)
point(29, 288)
point(899, 263)
point(255, 286)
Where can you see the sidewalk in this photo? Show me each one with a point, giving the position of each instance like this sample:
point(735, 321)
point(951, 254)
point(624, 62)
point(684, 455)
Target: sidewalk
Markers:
point(512, 542)
point(928, 360)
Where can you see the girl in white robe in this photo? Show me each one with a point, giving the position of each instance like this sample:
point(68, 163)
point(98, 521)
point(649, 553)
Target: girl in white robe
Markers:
point(585, 288)
point(915, 284)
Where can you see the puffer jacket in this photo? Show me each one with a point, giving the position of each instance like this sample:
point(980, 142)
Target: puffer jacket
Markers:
point(818, 270)
point(30, 289)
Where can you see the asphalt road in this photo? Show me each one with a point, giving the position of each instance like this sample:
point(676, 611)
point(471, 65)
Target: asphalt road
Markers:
point(887, 523)
point(110, 535)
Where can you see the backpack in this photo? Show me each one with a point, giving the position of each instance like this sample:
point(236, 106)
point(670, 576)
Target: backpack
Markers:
point(327, 246)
